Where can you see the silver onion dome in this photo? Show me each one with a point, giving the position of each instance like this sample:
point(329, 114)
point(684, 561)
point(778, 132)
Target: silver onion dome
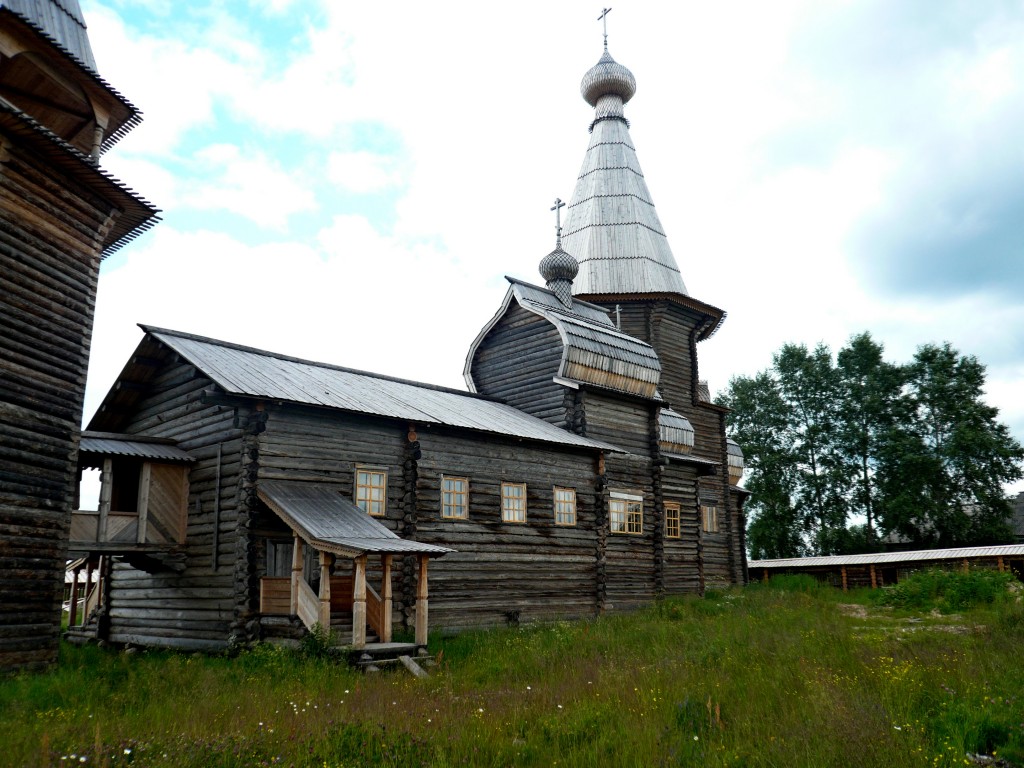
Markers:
point(607, 78)
point(559, 269)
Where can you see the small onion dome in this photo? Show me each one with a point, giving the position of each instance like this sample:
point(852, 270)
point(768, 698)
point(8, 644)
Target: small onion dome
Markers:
point(559, 269)
point(675, 433)
point(559, 265)
point(607, 78)
point(736, 463)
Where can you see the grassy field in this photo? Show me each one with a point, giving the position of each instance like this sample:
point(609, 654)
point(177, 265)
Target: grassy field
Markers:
point(779, 675)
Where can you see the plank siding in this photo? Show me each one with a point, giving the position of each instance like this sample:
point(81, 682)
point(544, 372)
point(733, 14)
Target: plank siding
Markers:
point(507, 571)
point(517, 363)
point(51, 232)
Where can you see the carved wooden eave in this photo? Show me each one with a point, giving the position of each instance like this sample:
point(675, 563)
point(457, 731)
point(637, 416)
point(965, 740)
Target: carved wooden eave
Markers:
point(39, 38)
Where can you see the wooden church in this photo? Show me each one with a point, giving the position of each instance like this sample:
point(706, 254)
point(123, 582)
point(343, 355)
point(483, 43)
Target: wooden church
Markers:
point(248, 495)
point(60, 214)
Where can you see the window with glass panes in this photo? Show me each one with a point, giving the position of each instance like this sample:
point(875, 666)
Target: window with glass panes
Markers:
point(454, 497)
point(626, 513)
point(372, 490)
point(565, 506)
point(513, 502)
point(673, 528)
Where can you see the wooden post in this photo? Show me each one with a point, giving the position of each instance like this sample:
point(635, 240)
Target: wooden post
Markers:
point(145, 479)
point(999, 563)
point(385, 598)
point(874, 579)
point(88, 584)
point(106, 488)
point(764, 575)
point(967, 565)
point(293, 607)
point(845, 585)
point(325, 591)
point(73, 609)
point(359, 604)
point(421, 602)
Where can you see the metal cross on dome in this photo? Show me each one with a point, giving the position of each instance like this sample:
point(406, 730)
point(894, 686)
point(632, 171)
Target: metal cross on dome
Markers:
point(557, 208)
point(604, 18)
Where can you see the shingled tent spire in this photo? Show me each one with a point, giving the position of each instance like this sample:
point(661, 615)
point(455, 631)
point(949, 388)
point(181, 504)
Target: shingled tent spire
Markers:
point(611, 226)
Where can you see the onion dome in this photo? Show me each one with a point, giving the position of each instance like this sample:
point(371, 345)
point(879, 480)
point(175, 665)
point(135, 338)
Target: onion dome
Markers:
point(559, 269)
point(607, 78)
point(736, 462)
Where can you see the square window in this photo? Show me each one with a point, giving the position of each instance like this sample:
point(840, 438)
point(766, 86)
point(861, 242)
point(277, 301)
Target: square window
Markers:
point(454, 498)
point(371, 490)
point(673, 527)
point(513, 502)
point(626, 514)
point(565, 506)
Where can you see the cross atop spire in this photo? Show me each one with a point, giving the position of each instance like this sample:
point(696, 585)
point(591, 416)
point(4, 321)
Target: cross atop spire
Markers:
point(557, 208)
point(604, 18)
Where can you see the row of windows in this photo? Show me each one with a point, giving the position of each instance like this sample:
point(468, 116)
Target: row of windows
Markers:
point(625, 511)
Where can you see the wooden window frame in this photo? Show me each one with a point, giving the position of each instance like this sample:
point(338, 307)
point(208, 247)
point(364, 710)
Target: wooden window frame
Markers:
point(455, 505)
point(513, 507)
point(673, 520)
point(709, 516)
point(626, 513)
point(364, 502)
point(564, 505)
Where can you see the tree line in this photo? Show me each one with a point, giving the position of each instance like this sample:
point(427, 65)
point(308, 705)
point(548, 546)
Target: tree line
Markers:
point(843, 452)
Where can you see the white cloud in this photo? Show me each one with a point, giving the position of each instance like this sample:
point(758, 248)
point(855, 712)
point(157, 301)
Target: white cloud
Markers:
point(363, 172)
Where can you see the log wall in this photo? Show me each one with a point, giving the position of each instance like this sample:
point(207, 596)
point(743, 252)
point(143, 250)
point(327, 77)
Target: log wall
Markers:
point(517, 361)
point(209, 603)
point(51, 231)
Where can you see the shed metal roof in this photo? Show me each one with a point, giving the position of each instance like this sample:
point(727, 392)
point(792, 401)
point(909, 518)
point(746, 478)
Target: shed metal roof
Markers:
point(329, 522)
point(136, 446)
point(883, 558)
point(257, 373)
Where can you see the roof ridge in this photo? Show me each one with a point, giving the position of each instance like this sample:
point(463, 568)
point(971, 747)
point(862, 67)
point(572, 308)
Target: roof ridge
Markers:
point(153, 330)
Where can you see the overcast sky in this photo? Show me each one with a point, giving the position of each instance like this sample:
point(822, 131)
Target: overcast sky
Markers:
point(350, 182)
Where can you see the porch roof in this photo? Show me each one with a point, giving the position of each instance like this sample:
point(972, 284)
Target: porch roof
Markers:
point(330, 522)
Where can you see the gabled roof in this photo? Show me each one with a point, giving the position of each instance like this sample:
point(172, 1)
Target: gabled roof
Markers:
point(331, 523)
point(256, 373)
point(593, 350)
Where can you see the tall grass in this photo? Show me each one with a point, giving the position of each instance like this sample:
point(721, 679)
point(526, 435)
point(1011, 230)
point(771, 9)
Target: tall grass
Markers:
point(775, 675)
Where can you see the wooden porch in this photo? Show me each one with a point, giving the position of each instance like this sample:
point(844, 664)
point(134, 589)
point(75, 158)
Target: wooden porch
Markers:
point(337, 531)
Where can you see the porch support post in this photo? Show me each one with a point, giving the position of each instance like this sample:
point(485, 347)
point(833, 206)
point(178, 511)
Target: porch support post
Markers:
point(293, 607)
point(385, 598)
point(421, 602)
point(73, 609)
point(106, 489)
point(845, 584)
point(88, 585)
point(999, 564)
point(359, 604)
point(325, 591)
point(874, 579)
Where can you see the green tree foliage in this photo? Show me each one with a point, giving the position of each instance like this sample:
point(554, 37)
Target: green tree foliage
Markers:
point(911, 450)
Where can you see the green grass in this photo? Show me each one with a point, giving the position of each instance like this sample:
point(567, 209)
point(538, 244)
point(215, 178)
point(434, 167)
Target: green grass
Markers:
point(782, 674)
